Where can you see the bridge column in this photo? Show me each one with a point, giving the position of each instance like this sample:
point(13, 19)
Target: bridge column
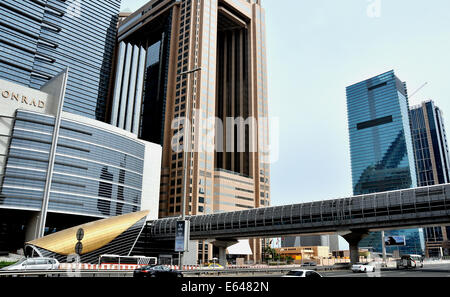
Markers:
point(353, 238)
point(223, 244)
point(223, 256)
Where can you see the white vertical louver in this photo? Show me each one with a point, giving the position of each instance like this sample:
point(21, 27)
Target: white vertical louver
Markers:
point(125, 86)
point(118, 84)
point(139, 90)
point(128, 89)
point(132, 89)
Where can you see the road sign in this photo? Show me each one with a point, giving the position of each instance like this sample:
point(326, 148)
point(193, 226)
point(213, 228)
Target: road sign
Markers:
point(79, 244)
point(80, 234)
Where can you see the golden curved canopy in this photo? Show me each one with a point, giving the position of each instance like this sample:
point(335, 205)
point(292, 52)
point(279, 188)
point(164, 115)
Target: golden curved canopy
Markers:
point(96, 234)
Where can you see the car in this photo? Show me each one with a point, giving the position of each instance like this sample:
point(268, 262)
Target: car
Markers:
point(215, 266)
point(363, 267)
point(303, 273)
point(159, 271)
point(34, 264)
point(342, 265)
point(309, 264)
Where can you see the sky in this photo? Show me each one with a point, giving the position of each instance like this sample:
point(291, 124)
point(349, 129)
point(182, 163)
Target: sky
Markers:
point(315, 49)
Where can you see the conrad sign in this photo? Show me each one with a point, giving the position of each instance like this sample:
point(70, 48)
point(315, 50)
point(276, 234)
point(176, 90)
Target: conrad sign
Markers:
point(14, 96)
point(22, 99)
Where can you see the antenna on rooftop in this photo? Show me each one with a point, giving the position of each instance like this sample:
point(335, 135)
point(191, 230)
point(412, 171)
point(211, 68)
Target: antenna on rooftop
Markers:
point(418, 90)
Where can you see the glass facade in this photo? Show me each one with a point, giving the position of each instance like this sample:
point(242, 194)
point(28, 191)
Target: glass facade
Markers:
point(380, 135)
point(97, 173)
point(432, 163)
point(39, 39)
point(152, 49)
point(430, 144)
point(382, 155)
point(414, 239)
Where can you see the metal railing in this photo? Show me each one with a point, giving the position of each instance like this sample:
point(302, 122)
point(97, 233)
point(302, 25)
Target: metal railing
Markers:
point(66, 273)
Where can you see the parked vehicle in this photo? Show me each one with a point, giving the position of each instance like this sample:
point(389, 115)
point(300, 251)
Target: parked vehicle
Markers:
point(410, 261)
point(303, 273)
point(34, 264)
point(363, 267)
point(342, 265)
point(309, 264)
point(159, 271)
point(127, 260)
point(215, 266)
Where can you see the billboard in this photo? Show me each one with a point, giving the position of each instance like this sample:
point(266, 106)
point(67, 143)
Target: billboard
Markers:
point(182, 236)
point(395, 241)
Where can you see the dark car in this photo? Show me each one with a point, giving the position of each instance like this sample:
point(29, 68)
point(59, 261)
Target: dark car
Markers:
point(159, 271)
point(309, 264)
point(342, 265)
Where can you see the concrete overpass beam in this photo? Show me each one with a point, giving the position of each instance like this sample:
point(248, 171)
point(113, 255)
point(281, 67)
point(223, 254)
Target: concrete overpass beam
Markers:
point(353, 238)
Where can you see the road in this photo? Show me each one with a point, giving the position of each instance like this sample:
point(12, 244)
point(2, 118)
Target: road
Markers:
point(429, 270)
point(435, 270)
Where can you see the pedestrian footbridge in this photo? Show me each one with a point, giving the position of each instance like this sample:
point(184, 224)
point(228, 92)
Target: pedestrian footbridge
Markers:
point(352, 217)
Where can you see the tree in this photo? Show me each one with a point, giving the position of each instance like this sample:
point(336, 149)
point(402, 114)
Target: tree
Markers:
point(271, 253)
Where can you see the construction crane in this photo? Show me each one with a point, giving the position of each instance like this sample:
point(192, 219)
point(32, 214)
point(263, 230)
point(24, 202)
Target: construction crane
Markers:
point(418, 90)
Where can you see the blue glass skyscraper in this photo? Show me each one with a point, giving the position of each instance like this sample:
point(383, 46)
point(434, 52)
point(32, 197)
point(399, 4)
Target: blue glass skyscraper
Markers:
point(38, 39)
point(432, 165)
point(380, 135)
point(381, 148)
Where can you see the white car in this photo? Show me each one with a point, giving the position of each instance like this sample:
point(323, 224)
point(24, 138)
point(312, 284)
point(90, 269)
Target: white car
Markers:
point(303, 273)
point(34, 264)
point(363, 267)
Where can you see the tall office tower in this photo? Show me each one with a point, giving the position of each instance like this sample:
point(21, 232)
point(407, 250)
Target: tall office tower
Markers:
point(432, 163)
point(381, 148)
point(39, 39)
point(158, 81)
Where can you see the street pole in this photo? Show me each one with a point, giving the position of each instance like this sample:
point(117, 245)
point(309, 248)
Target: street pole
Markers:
point(187, 149)
point(383, 244)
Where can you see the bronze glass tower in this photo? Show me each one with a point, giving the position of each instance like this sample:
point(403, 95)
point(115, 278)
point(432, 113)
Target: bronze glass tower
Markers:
point(223, 41)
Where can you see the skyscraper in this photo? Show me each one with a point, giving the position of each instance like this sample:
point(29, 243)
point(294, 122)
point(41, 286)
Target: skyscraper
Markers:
point(380, 136)
point(201, 60)
point(432, 163)
point(41, 38)
point(381, 148)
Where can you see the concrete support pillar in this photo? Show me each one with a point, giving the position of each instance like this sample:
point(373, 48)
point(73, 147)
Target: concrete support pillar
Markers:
point(191, 257)
point(32, 228)
point(353, 238)
point(383, 246)
point(223, 256)
point(223, 244)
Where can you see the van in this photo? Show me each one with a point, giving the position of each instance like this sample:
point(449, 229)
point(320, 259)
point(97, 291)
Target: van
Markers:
point(410, 261)
point(34, 264)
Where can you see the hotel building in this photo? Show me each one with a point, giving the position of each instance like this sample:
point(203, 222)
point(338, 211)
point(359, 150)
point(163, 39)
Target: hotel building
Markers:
point(59, 170)
point(200, 59)
point(40, 38)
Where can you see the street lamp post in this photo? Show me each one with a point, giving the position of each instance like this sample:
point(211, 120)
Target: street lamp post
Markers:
point(185, 162)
